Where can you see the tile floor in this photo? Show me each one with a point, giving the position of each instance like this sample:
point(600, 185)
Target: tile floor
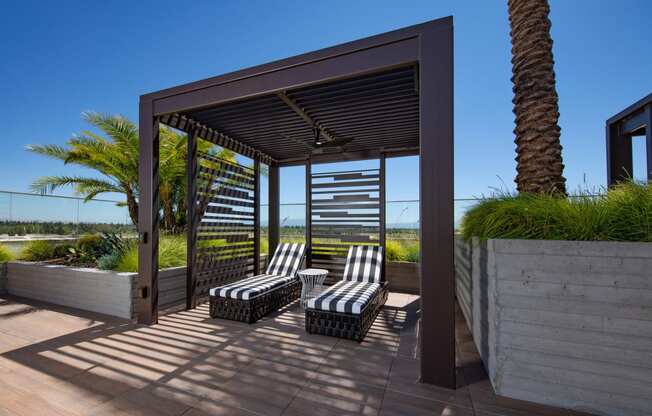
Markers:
point(59, 361)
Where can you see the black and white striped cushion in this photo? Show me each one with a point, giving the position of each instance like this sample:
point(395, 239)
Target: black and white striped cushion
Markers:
point(251, 287)
point(345, 296)
point(363, 264)
point(287, 259)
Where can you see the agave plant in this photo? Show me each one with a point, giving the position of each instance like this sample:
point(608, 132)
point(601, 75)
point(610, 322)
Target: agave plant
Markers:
point(115, 156)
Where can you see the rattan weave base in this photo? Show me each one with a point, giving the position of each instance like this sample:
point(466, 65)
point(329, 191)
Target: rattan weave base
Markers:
point(251, 310)
point(345, 325)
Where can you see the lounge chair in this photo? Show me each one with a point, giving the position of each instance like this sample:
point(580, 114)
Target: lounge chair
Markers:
point(349, 307)
point(250, 299)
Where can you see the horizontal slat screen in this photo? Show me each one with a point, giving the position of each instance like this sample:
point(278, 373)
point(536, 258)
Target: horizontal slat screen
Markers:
point(345, 211)
point(224, 222)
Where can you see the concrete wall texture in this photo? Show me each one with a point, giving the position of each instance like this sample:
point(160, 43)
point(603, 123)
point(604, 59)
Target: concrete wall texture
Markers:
point(403, 277)
point(100, 291)
point(88, 289)
point(3, 278)
point(562, 322)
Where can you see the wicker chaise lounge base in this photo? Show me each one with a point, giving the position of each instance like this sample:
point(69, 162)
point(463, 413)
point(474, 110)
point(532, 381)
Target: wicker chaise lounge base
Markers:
point(346, 325)
point(250, 299)
point(349, 307)
point(251, 310)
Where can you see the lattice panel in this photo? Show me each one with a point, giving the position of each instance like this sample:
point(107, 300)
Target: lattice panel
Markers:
point(345, 210)
point(225, 221)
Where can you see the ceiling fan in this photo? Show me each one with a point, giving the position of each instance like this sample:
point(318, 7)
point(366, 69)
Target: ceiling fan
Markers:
point(322, 140)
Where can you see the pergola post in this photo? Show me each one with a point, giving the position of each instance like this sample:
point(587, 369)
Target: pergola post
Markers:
point(273, 214)
point(634, 121)
point(257, 216)
point(148, 214)
point(191, 229)
point(648, 141)
point(436, 196)
point(382, 229)
point(619, 155)
point(309, 212)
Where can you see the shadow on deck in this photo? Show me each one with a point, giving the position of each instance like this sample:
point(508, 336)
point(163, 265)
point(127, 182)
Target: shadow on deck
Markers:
point(59, 361)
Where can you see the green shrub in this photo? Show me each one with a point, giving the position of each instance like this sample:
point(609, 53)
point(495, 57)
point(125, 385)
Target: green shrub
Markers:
point(624, 213)
point(62, 250)
point(402, 250)
point(264, 245)
point(412, 251)
point(171, 253)
point(37, 250)
point(90, 243)
point(5, 254)
point(109, 261)
point(394, 251)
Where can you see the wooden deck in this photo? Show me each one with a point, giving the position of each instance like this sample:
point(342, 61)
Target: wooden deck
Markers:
point(58, 361)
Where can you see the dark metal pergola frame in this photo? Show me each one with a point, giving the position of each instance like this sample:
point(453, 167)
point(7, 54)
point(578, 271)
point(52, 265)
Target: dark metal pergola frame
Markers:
point(635, 120)
point(428, 46)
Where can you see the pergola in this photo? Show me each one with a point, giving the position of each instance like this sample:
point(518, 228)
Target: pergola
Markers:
point(380, 97)
point(635, 120)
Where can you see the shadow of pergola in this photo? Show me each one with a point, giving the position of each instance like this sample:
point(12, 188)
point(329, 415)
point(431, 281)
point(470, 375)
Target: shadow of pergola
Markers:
point(190, 360)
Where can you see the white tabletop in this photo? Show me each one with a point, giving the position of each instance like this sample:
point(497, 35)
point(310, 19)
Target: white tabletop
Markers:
point(313, 272)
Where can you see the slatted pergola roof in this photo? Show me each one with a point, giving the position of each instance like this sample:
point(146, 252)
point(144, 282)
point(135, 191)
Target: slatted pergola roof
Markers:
point(373, 111)
point(379, 97)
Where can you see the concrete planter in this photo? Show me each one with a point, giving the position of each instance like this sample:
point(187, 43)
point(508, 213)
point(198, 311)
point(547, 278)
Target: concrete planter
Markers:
point(101, 291)
point(3, 278)
point(563, 323)
point(403, 276)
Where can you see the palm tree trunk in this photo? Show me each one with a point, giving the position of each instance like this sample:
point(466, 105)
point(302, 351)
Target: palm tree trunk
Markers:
point(539, 161)
point(132, 205)
point(169, 220)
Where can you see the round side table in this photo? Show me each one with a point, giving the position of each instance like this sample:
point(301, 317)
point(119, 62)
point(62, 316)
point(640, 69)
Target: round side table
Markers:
point(311, 283)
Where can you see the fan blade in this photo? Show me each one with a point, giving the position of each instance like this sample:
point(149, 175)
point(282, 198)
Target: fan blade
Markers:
point(337, 142)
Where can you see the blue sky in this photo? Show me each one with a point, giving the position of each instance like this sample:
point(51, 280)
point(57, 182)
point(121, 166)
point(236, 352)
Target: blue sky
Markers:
point(62, 58)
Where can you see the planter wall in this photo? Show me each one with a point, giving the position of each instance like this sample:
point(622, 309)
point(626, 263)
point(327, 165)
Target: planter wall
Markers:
point(403, 277)
point(94, 290)
point(116, 294)
point(3, 278)
point(562, 323)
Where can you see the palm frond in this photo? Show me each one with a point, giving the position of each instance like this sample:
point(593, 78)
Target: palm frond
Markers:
point(48, 184)
point(121, 129)
point(50, 150)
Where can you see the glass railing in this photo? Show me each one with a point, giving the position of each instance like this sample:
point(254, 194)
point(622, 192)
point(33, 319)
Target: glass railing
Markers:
point(27, 214)
point(23, 214)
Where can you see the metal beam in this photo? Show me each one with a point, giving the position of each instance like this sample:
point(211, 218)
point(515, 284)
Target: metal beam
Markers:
point(635, 124)
point(436, 196)
point(351, 156)
point(148, 215)
point(309, 120)
point(188, 125)
point(386, 56)
point(314, 56)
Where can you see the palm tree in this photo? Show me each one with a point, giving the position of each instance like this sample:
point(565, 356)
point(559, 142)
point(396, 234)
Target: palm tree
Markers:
point(539, 161)
point(116, 159)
